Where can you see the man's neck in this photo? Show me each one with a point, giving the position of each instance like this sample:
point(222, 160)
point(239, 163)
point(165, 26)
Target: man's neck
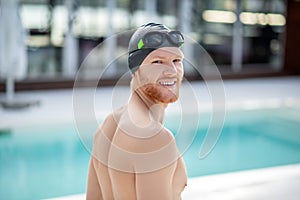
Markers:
point(141, 104)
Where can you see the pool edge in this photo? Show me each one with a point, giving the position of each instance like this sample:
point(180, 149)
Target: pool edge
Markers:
point(253, 184)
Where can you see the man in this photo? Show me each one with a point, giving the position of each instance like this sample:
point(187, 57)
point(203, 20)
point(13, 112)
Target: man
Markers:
point(134, 155)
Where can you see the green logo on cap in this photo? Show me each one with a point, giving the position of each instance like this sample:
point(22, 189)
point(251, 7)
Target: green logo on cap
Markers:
point(140, 44)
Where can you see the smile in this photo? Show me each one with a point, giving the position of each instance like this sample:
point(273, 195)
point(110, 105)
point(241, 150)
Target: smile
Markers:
point(167, 83)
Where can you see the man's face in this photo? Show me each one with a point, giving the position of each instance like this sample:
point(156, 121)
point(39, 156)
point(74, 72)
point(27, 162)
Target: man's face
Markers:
point(160, 74)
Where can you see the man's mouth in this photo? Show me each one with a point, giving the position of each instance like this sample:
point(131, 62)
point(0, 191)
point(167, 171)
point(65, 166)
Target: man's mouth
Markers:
point(167, 83)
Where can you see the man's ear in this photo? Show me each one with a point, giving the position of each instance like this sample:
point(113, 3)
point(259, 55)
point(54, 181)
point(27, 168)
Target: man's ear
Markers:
point(134, 74)
point(133, 81)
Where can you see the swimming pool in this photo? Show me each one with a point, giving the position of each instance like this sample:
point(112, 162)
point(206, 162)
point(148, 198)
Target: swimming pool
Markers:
point(42, 162)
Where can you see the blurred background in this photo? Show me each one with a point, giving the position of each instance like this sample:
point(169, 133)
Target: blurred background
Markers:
point(245, 38)
point(253, 44)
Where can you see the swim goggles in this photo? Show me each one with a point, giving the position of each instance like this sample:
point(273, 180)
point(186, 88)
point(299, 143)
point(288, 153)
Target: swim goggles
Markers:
point(156, 39)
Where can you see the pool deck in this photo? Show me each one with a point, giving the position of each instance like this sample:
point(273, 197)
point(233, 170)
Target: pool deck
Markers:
point(57, 105)
point(276, 183)
point(270, 183)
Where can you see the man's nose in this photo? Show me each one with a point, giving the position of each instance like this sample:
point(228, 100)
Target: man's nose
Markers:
point(171, 69)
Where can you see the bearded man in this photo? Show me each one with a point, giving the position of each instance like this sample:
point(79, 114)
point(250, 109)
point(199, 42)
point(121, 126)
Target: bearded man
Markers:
point(134, 155)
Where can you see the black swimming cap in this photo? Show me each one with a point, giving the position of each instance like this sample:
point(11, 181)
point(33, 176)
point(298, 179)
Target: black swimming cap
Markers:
point(136, 49)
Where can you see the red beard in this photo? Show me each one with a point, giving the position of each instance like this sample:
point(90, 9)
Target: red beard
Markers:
point(159, 93)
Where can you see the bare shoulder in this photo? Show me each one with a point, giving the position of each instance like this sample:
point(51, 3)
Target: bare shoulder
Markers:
point(143, 140)
point(109, 125)
point(112, 118)
point(140, 154)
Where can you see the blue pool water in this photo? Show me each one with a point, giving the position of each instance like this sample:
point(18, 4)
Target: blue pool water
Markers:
point(41, 162)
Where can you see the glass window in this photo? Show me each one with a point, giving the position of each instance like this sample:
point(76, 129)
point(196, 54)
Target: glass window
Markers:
point(263, 33)
point(262, 25)
point(254, 29)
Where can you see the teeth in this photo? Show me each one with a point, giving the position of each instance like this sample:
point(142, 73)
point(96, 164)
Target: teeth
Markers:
point(167, 83)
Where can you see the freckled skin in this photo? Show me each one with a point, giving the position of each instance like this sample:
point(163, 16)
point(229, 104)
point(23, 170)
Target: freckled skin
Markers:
point(134, 155)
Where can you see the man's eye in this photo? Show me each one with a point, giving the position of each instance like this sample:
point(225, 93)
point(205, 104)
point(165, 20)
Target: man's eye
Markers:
point(157, 62)
point(177, 60)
